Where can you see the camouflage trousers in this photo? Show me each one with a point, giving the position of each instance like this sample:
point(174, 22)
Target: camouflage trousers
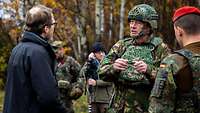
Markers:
point(99, 107)
point(68, 104)
point(130, 100)
point(186, 103)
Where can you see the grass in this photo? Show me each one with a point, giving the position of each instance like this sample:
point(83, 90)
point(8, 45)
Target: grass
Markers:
point(80, 105)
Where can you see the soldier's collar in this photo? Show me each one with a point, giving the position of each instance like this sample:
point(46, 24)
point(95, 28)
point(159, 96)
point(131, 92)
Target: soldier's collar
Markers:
point(134, 41)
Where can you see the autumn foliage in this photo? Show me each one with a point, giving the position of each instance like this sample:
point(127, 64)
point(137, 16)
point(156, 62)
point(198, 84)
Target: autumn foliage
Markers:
point(76, 24)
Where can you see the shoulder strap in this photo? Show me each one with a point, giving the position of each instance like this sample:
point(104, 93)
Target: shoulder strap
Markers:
point(185, 53)
point(156, 41)
point(127, 42)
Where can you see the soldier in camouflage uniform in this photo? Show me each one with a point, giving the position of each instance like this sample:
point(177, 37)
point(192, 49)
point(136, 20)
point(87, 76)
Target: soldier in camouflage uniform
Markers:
point(67, 75)
point(177, 85)
point(131, 62)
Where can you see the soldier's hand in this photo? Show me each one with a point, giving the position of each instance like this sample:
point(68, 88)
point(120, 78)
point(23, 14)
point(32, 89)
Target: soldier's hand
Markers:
point(120, 64)
point(140, 66)
point(75, 93)
point(91, 82)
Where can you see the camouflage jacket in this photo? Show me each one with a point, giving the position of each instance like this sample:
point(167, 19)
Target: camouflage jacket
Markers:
point(67, 75)
point(158, 51)
point(103, 90)
point(173, 89)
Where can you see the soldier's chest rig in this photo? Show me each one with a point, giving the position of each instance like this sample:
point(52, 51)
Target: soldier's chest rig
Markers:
point(132, 52)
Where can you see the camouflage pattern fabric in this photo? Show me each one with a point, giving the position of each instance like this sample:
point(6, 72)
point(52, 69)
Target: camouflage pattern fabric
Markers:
point(131, 97)
point(69, 82)
point(176, 89)
point(131, 100)
point(137, 53)
point(145, 13)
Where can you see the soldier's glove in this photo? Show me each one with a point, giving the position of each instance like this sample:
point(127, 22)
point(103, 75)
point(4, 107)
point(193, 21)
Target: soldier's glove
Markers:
point(63, 84)
point(76, 92)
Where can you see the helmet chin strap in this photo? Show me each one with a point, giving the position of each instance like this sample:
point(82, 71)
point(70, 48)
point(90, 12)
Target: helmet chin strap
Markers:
point(141, 34)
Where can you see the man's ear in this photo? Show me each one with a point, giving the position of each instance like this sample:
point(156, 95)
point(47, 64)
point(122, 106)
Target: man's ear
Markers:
point(180, 31)
point(46, 29)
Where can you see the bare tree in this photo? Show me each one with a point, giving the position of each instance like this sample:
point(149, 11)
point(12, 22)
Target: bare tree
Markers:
point(102, 18)
point(30, 3)
point(80, 19)
point(98, 19)
point(121, 31)
point(111, 20)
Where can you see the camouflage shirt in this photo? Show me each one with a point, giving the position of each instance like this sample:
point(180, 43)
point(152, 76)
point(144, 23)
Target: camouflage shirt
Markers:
point(130, 94)
point(67, 75)
point(68, 70)
point(172, 89)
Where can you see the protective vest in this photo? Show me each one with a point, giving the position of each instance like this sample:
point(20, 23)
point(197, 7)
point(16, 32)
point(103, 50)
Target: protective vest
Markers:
point(133, 52)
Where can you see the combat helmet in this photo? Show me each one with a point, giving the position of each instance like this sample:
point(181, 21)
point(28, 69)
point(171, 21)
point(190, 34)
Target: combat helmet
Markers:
point(57, 44)
point(145, 13)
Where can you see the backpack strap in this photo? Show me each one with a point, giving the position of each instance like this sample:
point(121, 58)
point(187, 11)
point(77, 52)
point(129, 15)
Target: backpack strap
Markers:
point(196, 90)
point(156, 41)
point(127, 42)
point(185, 53)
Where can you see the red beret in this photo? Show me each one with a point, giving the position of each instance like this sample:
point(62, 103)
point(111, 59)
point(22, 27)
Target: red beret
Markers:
point(184, 11)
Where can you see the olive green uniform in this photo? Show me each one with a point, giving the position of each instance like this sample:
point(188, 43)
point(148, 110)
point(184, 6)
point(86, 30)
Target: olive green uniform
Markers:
point(69, 81)
point(132, 88)
point(176, 89)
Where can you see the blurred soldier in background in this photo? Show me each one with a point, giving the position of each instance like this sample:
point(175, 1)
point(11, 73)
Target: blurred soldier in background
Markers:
point(177, 85)
point(132, 62)
point(67, 75)
point(98, 91)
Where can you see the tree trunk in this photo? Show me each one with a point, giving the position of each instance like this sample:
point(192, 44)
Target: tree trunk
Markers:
point(82, 6)
point(111, 20)
point(80, 35)
point(21, 9)
point(121, 31)
point(102, 18)
point(98, 19)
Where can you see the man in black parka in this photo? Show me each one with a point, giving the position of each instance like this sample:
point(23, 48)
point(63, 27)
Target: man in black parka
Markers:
point(31, 86)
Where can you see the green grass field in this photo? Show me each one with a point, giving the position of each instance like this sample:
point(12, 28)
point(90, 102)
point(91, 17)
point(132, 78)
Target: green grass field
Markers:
point(80, 105)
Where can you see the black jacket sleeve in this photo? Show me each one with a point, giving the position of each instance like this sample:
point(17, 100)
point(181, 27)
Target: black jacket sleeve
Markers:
point(44, 83)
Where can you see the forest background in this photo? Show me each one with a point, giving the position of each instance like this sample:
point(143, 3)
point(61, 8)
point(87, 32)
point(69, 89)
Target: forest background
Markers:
point(80, 24)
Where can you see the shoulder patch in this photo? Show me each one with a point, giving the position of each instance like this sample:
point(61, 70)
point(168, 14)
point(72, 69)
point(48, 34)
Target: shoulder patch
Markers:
point(163, 65)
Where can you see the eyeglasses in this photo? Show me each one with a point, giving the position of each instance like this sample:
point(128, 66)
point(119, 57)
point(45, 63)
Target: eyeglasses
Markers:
point(54, 23)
